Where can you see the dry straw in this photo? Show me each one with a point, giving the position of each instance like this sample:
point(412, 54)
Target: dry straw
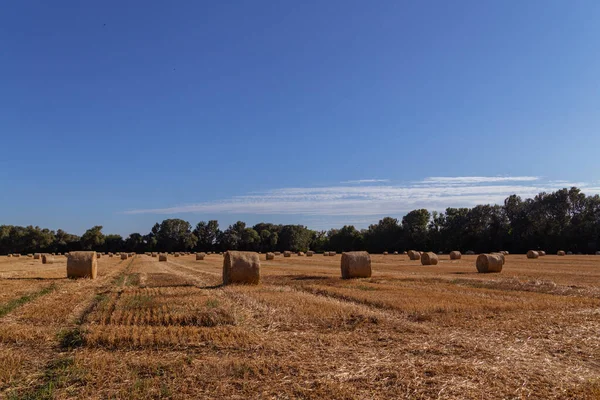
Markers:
point(270, 256)
point(241, 267)
point(162, 257)
point(414, 255)
point(47, 259)
point(82, 264)
point(455, 255)
point(532, 254)
point(561, 253)
point(429, 258)
point(356, 264)
point(200, 256)
point(309, 253)
point(287, 254)
point(489, 263)
point(36, 256)
point(123, 256)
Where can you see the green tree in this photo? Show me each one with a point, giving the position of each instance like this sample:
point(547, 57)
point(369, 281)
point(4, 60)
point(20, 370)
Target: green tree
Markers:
point(93, 239)
point(175, 235)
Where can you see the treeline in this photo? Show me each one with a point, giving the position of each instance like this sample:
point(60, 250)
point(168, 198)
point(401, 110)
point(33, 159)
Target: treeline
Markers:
point(566, 219)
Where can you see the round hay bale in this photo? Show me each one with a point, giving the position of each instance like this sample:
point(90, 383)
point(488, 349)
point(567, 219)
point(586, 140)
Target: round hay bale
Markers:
point(560, 253)
point(356, 264)
point(176, 254)
point(300, 254)
point(385, 253)
point(162, 257)
point(429, 258)
point(98, 255)
point(532, 254)
point(332, 253)
point(154, 254)
point(287, 253)
point(270, 256)
point(501, 256)
point(309, 253)
point(241, 267)
point(404, 253)
point(200, 256)
point(489, 263)
point(414, 255)
point(541, 253)
point(47, 259)
point(455, 255)
point(111, 255)
point(30, 255)
point(395, 253)
point(36, 256)
point(82, 264)
point(277, 253)
point(9, 256)
point(123, 256)
point(17, 255)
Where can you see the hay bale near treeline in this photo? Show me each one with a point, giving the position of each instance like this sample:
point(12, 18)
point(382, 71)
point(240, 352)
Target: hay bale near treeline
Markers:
point(47, 259)
point(36, 256)
point(561, 253)
point(200, 256)
point(385, 253)
point(332, 253)
point(98, 255)
point(455, 255)
point(162, 257)
point(300, 254)
point(395, 253)
point(287, 253)
point(82, 264)
point(356, 264)
point(532, 254)
point(123, 256)
point(489, 263)
point(309, 253)
point(501, 256)
point(414, 255)
point(270, 256)
point(541, 253)
point(429, 258)
point(241, 267)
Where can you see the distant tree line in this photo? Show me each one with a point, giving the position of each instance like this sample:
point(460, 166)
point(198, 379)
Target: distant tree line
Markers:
point(566, 219)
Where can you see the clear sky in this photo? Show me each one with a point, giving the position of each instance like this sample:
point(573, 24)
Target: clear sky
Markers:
point(124, 113)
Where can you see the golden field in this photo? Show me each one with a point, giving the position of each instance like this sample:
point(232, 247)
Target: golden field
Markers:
point(149, 329)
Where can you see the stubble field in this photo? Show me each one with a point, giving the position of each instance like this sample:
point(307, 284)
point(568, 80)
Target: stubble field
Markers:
point(149, 329)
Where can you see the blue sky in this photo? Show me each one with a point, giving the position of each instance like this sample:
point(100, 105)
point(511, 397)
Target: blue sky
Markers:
point(125, 113)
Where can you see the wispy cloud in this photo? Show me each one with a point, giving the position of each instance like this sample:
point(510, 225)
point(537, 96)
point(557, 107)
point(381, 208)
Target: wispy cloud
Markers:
point(478, 179)
point(373, 200)
point(359, 181)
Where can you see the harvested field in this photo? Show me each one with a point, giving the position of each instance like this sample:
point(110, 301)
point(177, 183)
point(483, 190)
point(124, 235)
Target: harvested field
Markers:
point(150, 329)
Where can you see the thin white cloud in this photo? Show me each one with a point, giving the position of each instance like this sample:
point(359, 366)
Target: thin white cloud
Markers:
point(478, 179)
point(373, 200)
point(359, 181)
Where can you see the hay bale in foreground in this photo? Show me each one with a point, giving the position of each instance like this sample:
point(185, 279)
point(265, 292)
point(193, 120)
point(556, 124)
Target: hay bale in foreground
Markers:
point(241, 267)
point(200, 256)
point(36, 256)
point(82, 264)
point(429, 258)
point(532, 254)
point(287, 254)
point(560, 253)
point(162, 257)
point(489, 263)
point(309, 253)
point(356, 264)
point(455, 255)
point(123, 256)
point(270, 256)
point(47, 259)
point(414, 255)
